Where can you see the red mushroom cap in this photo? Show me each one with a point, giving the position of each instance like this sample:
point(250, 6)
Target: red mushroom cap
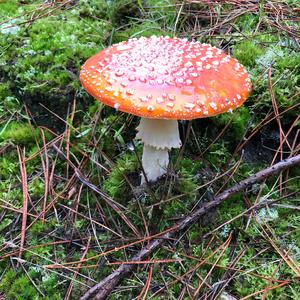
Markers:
point(165, 78)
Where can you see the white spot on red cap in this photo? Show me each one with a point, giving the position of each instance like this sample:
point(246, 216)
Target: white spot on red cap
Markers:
point(150, 108)
point(119, 73)
point(189, 105)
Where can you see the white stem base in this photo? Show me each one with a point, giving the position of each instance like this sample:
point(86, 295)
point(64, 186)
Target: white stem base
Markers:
point(155, 163)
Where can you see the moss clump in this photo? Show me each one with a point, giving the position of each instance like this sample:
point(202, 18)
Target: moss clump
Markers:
point(18, 133)
point(47, 57)
point(8, 8)
point(17, 287)
point(8, 166)
point(115, 185)
point(45, 65)
point(93, 9)
point(185, 185)
point(239, 119)
point(285, 80)
point(36, 187)
point(247, 52)
point(247, 23)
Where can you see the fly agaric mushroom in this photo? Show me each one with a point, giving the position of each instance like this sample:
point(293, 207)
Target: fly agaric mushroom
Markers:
point(163, 80)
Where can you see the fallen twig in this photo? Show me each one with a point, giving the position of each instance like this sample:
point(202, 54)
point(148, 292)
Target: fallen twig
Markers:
point(102, 289)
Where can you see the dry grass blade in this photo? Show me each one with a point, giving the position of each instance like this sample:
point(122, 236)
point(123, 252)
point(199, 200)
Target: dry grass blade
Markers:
point(45, 165)
point(152, 261)
point(25, 198)
point(145, 289)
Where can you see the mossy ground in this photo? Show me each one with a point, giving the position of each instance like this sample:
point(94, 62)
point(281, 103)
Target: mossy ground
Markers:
point(49, 122)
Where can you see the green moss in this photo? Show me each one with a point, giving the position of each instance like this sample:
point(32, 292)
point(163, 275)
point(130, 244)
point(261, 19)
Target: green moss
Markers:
point(93, 9)
point(218, 155)
point(187, 182)
point(8, 166)
point(36, 187)
point(239, 119)
point(285, 78)
point(247, 23)
point(18, 133)
point(45, 65)
point(230, 209)
point(4, 91)
point(186, 185)
point(8, 8)
point(115, 185)
point(247, 52)
point(47, 57)
point(17, 287)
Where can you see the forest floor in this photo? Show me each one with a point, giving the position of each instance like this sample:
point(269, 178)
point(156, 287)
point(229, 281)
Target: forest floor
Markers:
point(59, 235)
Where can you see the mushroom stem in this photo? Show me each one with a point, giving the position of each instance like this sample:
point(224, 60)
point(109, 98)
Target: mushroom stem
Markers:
point(155, 163)
point(158, 136)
